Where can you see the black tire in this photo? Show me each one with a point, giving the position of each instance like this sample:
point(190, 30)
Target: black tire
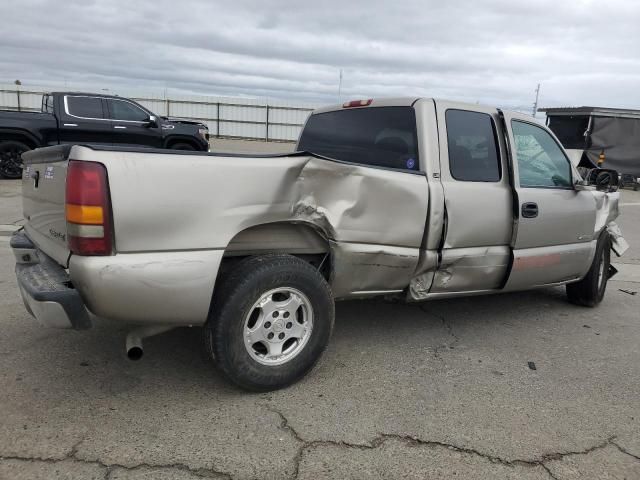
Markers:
point(10, 158)
point(182, 146)
point(589, 291)
point(234, 300)
point(636, 187)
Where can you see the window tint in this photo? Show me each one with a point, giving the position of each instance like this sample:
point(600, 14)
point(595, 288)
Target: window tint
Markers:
point(473, 153)
point(121, 110)
point(541, 162)
point(86, 107)
point(381, 136)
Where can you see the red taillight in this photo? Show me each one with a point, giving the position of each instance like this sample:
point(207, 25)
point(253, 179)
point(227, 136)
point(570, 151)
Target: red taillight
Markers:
point(357, 103)
point(87, 209)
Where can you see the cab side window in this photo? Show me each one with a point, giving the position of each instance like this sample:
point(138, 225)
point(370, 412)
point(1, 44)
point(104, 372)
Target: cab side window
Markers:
point(121, 110)
point(473, 150)
point(84, 107)
point(541, 161)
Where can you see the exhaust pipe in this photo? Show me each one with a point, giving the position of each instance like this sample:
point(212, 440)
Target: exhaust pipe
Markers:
point(133, 342)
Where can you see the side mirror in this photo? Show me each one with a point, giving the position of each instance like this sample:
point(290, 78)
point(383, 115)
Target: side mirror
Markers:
point(604, 179)
point(152, 121)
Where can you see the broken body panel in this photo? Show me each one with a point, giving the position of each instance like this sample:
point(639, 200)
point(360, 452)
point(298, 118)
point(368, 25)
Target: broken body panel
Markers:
point(416, 233)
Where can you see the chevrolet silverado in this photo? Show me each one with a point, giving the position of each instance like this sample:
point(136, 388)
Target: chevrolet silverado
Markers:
point(412, 198)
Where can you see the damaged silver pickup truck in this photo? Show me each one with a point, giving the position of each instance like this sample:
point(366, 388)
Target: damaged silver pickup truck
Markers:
point(414, 198)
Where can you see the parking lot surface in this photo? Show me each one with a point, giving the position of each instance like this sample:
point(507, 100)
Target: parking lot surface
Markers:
point(519, 386)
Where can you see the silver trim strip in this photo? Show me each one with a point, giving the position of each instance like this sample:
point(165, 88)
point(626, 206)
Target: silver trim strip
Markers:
point(70, 124)
point(375, 292)
point(66, 109)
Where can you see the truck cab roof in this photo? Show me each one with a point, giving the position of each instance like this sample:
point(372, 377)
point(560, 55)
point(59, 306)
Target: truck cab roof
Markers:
point(391, 102)
point(88, 94)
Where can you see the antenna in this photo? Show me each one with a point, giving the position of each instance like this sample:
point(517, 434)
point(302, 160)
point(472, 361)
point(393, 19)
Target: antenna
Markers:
point(340, 86)
point(535, 104)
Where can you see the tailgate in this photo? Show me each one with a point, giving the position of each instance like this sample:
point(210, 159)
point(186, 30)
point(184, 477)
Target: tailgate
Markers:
point(43, 199)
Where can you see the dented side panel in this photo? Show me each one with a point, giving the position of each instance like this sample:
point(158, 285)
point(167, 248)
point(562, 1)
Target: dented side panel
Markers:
point(373, 219)
point(352, 203)
point(463, 269)
point(360, 268)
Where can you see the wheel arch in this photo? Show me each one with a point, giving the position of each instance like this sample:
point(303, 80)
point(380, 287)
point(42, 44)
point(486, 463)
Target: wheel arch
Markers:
point(299, 239)
point(171, 140)
point(17, 135)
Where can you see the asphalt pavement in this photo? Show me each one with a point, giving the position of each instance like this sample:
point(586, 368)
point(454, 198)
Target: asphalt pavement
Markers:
point(512, 386)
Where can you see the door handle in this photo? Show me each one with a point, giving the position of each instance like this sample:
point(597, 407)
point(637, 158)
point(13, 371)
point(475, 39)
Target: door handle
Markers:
point(529, 210)
point(119, 126)
point(70, 124)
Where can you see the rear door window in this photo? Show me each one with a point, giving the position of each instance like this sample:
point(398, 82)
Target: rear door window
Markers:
point(84, 107)
point(473, 150)
point(377, 136)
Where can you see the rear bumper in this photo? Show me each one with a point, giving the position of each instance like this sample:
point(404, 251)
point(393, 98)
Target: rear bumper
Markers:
point(46, 288)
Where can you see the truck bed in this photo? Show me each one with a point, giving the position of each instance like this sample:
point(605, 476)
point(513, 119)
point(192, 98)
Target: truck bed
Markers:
point(373, 218)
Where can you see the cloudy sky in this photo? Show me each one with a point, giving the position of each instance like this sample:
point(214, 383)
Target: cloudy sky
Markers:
point(583, 52)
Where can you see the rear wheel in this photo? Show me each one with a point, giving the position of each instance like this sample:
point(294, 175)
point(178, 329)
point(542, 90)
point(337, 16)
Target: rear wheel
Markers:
point(589, 291)
point(182, 146)
point(270, 321)
point(11, 158)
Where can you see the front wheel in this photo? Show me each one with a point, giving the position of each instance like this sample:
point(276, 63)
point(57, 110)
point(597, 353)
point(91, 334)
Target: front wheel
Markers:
point(270, 322)
point(589, 291)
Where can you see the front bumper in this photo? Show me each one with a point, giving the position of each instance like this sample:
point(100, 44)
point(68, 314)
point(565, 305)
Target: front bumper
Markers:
point(46, 288)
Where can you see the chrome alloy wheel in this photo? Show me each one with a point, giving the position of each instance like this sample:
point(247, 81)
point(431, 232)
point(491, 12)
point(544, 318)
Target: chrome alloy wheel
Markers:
point(278, 326)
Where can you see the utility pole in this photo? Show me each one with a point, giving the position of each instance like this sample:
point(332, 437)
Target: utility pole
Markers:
point(18, 83)
point(340, 86)
point(535, 104)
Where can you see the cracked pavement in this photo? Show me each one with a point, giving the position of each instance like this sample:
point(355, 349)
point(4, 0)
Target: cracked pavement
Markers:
point(431, 390)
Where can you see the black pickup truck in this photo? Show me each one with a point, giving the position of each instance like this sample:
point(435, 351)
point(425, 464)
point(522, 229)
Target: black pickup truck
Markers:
point(90, 118)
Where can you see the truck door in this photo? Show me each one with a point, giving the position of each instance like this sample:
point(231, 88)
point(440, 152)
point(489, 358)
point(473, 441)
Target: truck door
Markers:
point(554, 234)
point(475, 252)
point(130, 125)
point(82, 119)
